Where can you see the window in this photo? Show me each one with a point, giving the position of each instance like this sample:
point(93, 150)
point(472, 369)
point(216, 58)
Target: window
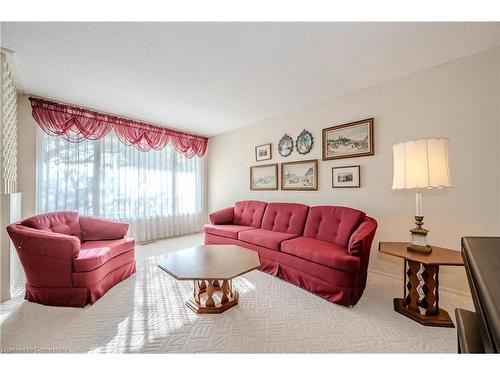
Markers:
point(159, 193)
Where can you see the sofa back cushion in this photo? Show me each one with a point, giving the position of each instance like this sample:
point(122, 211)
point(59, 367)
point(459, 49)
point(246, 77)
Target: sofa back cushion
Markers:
point(285, 217)
point(64, 222)
point(249, 213)
point(100, 229)
point(332, 223)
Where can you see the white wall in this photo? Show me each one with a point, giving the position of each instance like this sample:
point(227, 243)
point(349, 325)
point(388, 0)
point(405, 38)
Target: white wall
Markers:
point(459, 100)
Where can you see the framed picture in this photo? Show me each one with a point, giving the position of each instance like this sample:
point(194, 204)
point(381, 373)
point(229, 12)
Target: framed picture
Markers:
point(285, 145)
point(299, 175)
point(263, 152)
point(346, 177)
point(264, 177)
point(348, 140)
point(304, 142)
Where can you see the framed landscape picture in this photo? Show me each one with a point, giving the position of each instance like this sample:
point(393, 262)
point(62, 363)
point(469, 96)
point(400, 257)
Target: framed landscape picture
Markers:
point(299, 175)
point(263, 152)
point(348, 140)
point(346, 177)
point(264, 177)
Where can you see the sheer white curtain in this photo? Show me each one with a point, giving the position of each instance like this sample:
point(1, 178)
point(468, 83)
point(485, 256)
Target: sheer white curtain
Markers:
point(159, 193)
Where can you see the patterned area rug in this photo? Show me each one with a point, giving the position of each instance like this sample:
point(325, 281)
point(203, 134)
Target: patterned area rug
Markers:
point(146, 314)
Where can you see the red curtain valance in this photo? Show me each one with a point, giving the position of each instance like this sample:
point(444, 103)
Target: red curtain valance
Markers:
point(77, 124)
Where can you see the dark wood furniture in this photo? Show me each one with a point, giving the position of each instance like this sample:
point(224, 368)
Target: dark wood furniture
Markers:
point(212, 268)
point(479, 332)
point(421, 280)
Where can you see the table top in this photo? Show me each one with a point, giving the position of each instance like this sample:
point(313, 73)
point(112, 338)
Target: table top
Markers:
point(210, 262)
point(438, 256)
point(482, 255)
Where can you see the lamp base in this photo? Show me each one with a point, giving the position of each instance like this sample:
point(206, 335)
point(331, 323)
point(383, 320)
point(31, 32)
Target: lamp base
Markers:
point(419, 237)
point(421, 249)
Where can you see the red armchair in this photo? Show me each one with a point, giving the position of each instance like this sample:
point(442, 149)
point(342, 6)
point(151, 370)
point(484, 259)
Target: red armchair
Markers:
point(72, 260)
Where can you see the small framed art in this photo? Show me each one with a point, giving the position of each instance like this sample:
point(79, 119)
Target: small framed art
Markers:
point(263, 152)
point(346, 177)
point(299, 175)
point(304, 142)
point(285, 145)
point(264, 177)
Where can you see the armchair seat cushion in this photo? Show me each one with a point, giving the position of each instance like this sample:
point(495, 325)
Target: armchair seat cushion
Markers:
point(265, 238)
point(322, 252)
point(94, 254)
point(228, 230)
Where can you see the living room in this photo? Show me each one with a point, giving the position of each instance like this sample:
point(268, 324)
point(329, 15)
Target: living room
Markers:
point(250, 187)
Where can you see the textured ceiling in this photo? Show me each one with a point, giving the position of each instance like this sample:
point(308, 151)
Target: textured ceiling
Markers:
point(213, 77)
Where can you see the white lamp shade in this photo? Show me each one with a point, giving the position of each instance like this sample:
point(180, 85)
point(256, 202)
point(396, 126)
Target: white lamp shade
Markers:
point(421, 164)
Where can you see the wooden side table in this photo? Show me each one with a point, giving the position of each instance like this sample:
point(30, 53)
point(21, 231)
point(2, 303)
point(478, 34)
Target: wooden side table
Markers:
point(421, 282)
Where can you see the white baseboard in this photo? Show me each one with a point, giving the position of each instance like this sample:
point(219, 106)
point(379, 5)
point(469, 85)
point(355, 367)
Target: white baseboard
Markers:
point(456, 292)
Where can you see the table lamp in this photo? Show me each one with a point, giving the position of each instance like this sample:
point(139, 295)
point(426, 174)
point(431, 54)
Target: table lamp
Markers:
point(421, 164)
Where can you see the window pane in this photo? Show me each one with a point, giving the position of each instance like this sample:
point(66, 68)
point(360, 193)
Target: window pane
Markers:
point(150, 190)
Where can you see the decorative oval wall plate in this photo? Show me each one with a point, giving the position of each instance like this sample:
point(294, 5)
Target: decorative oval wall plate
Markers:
point(285, 145)
point(304, 142)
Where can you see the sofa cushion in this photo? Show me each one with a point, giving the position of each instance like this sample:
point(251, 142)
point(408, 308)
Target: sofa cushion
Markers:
point(265, 238)
point(228, 230)
point(249, 213)
point(97, 228)
point(332, 224)
point(94, 254)
point(224, 216)
point(64, 222)
point(321, 252)
point(110, 268)
point(285, 217)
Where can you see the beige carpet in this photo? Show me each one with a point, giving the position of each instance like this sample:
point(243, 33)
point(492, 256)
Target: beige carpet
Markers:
point(146, 314)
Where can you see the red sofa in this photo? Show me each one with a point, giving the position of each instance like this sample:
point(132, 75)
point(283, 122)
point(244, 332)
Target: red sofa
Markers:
point(323, 249)
point(72, 260)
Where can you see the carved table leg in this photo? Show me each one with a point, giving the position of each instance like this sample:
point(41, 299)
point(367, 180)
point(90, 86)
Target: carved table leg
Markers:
point(210, 292)
point(430, 289)
point(412, 285)
point(209, 297)
point(225, 292)
point(196, 294)
point(422, 291)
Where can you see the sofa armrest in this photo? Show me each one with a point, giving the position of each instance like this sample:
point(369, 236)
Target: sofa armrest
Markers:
point(361, 240)
point(224, 216)
point(96, 228)
point(30, 242)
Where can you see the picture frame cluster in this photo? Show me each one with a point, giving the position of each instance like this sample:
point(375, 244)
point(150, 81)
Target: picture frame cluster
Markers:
point(295, 175)
point(354, 139)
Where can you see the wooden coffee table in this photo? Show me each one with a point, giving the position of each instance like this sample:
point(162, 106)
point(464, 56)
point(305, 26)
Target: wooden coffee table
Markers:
point(421, 279)
point(212, 268)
